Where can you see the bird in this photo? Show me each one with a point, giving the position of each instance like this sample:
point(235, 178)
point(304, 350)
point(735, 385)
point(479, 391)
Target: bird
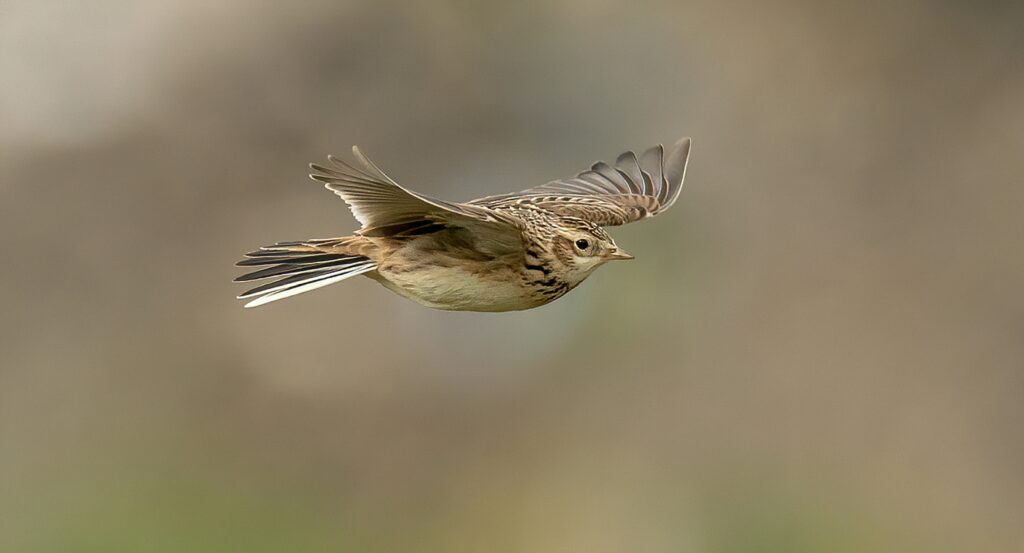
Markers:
point(505, 252)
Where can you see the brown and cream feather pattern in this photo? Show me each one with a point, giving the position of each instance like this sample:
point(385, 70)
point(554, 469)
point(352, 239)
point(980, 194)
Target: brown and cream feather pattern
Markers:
point(498, 253)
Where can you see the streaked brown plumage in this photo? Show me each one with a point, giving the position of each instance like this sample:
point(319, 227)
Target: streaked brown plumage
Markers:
point(499, 253)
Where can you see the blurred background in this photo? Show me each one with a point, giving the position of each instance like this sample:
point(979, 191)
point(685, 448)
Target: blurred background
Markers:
point(818, 349)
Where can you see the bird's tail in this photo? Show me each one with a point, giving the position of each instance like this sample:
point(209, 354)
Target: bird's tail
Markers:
point(301, 266)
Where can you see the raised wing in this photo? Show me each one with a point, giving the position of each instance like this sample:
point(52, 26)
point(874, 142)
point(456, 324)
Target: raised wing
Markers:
point(386, 209)
point(632, 190)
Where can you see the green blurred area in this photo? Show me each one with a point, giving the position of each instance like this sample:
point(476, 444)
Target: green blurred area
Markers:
point(817, 349)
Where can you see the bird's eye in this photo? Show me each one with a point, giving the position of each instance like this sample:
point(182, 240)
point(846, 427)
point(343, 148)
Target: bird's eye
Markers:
point(582, 244)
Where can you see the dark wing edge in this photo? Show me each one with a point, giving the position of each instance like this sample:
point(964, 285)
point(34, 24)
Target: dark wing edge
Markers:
point(635, 188)
point(385, 208)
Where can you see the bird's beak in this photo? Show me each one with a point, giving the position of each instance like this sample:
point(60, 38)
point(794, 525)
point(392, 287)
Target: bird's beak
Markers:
point(619, 254)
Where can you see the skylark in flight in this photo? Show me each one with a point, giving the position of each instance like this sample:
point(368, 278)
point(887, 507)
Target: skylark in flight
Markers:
point(499, 253)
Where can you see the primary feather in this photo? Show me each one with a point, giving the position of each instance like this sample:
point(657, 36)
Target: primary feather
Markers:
point(384, 208)
point(632, 190)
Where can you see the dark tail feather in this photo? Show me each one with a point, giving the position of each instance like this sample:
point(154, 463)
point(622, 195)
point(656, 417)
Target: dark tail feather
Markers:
point(299, 268)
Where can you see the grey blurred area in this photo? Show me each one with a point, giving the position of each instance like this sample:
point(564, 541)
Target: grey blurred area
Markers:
point(819, 348)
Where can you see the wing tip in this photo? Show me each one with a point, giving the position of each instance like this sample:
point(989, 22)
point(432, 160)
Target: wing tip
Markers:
point(682, 145)
point(675, 169)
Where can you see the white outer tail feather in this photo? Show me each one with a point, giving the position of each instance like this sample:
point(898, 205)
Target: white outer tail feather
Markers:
point(314, 282)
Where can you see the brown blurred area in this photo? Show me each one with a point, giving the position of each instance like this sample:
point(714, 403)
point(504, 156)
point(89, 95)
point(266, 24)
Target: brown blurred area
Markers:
point(818, 349)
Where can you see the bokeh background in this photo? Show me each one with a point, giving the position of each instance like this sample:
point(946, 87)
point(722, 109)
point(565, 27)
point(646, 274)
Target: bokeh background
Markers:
point(820, 348)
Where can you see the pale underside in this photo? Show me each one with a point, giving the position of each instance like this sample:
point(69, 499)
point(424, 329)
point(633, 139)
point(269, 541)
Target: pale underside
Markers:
point(459, 289)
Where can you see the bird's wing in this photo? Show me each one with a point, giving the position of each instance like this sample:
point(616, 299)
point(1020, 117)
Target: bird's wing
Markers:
point(386, 209)
point(634, 189)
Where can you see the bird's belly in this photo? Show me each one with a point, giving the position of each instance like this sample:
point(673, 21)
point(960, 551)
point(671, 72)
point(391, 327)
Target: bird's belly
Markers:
point(459, 288)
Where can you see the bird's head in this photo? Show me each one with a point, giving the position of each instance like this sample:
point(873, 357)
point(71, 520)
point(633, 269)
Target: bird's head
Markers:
point(583, 246)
